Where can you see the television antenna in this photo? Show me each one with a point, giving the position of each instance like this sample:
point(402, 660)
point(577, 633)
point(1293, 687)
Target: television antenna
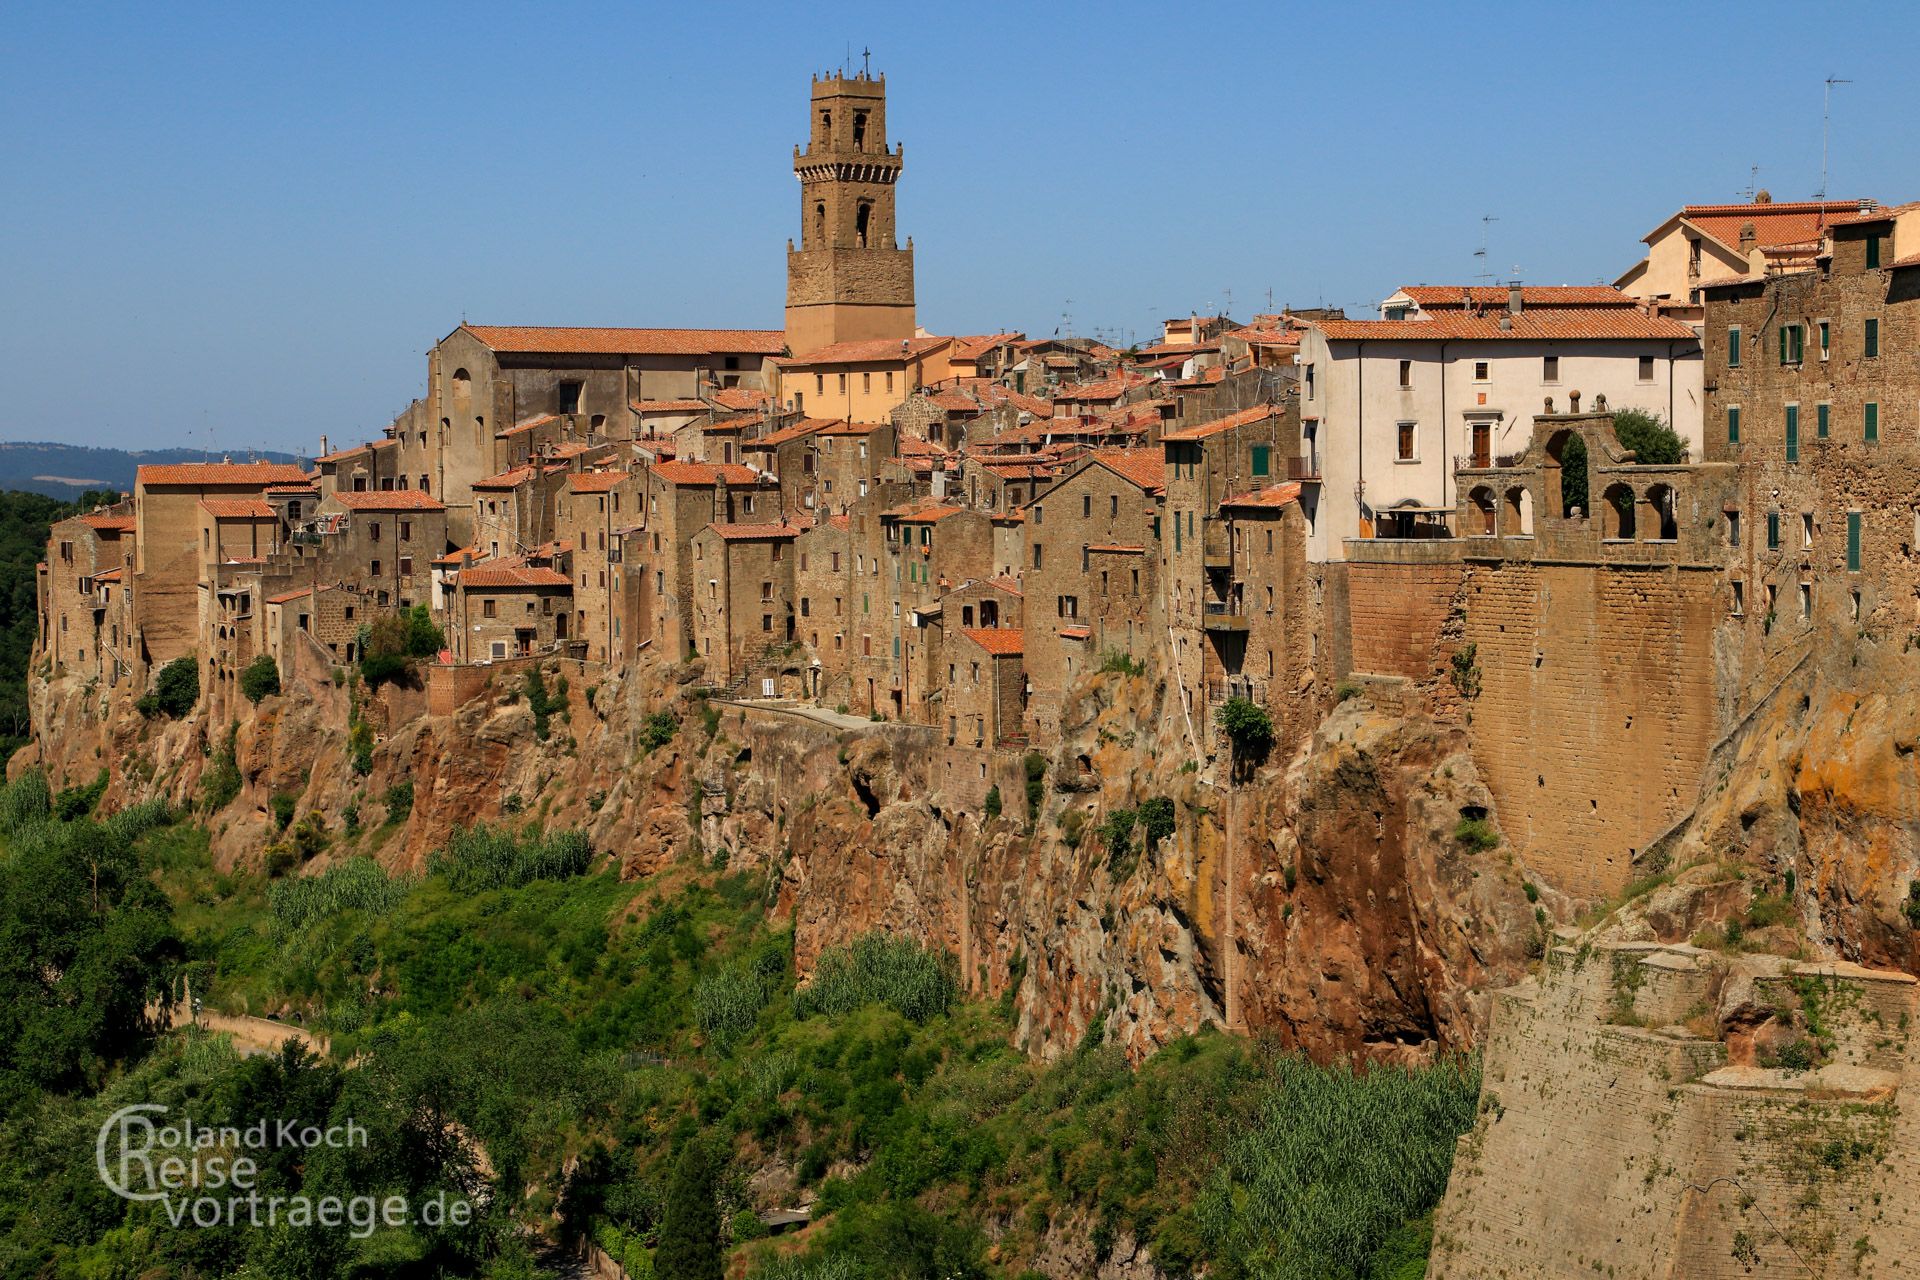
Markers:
point(1826, 129)
point(1480, 254)
point(1753, 184)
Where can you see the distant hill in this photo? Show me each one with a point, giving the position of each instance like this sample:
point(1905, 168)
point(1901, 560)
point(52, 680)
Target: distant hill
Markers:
point(68, 470)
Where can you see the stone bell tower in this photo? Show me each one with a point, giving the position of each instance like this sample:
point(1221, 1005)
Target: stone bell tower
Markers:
point(849, 280)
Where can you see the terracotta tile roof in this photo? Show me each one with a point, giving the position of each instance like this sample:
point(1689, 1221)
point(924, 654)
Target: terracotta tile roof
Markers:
point(258, 474)
point(289, 596)
point(111, 575)
point(909, 447)
point(1146, 468)
point(528, 425)
point(1254, 337)
point(1879, 213)
point(669, 406)
point(294, 490)
point(1006, 583)
point(237, 508)
point(804, 427)
point(1106, 389)
point(639, 342)
point(1075, 633)
point(919, 513)
point(868, 351)
point(1544, 324)
point(595, 481)
point(758, 532)
point(390, 500)
point(1211, 374)
point(1430, 296)
point(1783, 222)
point(954, 402)
point(1911, 260)
point(455, 557)
point(509, 479)
point(845, 428)
point(736, 422)
point(1117, 548)
point(973, 346)
point(705, 473)
point(109, 524)
point(1276, 495)
point(740, 398)
point(1258, 413)
point(341, 455)
point(1001, 642)
point(511, 575)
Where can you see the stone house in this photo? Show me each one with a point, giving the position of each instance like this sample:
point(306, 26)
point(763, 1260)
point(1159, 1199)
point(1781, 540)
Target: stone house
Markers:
point(1703, 242)
point(862, 381)
point(169, 549)
point(509, 609)
point(743, 595)
point(681, 499)
point(85, 606)
point(1091, 580)
point(930, 546)
point(985, 687)
point(824, 586)
point(591, 507)
point(1813, 388)
point(386, 545)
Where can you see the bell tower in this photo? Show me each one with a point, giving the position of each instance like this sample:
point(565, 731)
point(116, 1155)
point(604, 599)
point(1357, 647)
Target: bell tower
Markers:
point(849, 280)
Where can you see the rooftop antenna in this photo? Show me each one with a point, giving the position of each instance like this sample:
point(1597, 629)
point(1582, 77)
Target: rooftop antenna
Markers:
point(1826, 132)
point(1753, 184)
point(1229, 304)
point(1480, 254)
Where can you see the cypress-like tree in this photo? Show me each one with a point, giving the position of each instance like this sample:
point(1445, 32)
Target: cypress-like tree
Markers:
point(690, 1237)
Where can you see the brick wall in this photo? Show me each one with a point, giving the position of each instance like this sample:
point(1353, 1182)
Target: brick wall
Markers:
point(1396, 613)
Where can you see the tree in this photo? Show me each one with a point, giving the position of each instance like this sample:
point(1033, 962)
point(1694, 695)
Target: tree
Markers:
point(1248, 728)
point(261, 679)
point(175, 691)
point(1573, 475)
point(1653, 442)
point(424, 640)
point(690, 1237)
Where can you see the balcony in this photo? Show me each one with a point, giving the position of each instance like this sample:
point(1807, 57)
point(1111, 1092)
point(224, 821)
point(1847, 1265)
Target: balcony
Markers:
point(1304, 470)
point(1216, 547)
point(1222, 615)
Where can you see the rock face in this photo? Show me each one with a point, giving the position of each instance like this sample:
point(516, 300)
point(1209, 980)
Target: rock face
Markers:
point(1631, 1123)
point(1322, 899)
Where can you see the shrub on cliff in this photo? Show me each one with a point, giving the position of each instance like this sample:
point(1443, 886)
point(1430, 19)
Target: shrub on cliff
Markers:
point(78, 802)
point(1653, 442)
point(261, 679)
point(877, 969)
point(174, 692)
point(658, 730)
point(1248, 728)
point(483, 857)
point(24, 801)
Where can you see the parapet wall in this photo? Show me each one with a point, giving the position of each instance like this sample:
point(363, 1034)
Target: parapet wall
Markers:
point(1615, 1136)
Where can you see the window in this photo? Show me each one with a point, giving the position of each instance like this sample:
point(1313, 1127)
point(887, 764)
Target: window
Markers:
point(374, 568)
point(1086, 505)
point(569, 399)
point(489, 609)
point(1406, 373)
point(1793, 433)
point(843, 384)
point(1549, 368)
point(1822, 415)
point(1773, 530)
point(1873, 253)
point(1406, 442)
point(1806, 600)
point(1733, 424)
point(406, 531)
point(1870, 421)
point(1872, 338)
point(1480, 370)
point(866, 381)
point(1733, 528)
point(1733, 347)
point(1113, 506)
point(1793, 339)
point(820, 383)
point(1853, 542)
point(1262, 459)
point(1646, 368)
point(406, 566)
point(1739, 598)
point(1806, 528)
point(1825, 332)
point(1310, 383)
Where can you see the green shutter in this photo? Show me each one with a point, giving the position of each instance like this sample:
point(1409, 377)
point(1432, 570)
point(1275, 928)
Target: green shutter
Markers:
point(1873, 338)
point(1783, 344)
point(1733, 348)
point(1733, 424)
point(1872, 422)
point(1822, 413)
point(1793, 433)
point(1773, 530)
point(1873, 252)
point(1261, 453)
point(1853, 542)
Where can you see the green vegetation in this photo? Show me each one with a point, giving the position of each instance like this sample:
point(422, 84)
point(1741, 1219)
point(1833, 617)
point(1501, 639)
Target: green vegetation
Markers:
point(1120, 662)
point(1477, 834)
point(392, 645)
point(80, 801)
point(175, 692)
point(261, 679)
point(1249, 731)
point(542, 703)
point(1036, 766)
point(399, 801)
point(657, 730)
point(651, 1037)
point(25, 521)
point(1652, 441)
point(1573, 475)
point(993, 802)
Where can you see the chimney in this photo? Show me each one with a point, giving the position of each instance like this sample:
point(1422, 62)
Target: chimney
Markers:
point(1748, 235)
point(1515, 302)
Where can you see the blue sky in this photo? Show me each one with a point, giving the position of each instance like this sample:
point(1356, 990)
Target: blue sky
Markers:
point(243, 225)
